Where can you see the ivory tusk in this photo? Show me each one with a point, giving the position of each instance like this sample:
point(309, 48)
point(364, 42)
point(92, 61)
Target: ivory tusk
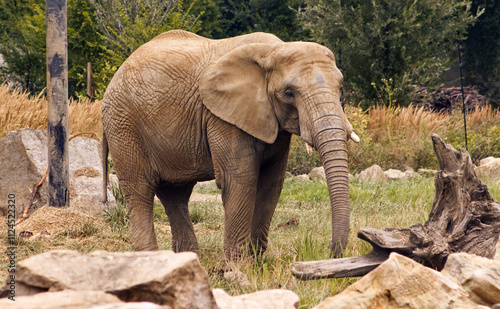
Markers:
point(354, 137)
point(310, 150)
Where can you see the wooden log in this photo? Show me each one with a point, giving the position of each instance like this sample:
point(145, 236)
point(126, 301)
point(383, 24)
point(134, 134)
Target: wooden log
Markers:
point(339, 268)
point(464, 218)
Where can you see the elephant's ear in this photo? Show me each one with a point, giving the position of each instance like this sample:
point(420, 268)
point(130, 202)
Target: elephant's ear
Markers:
point(234, 88)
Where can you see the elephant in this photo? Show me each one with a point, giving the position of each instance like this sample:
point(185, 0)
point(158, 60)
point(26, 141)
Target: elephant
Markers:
point(183, 109)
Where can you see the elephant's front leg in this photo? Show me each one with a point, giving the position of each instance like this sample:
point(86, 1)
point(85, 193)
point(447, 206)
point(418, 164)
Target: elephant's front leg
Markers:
point(238, 196)
point(271, 178)
point(236, 170)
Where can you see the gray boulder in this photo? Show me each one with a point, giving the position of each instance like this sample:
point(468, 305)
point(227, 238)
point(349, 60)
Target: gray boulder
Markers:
point(317, 173)
point(60, 299)
point(163, 277)
point(489, 168)
point(486, 160)
point(303, 177)
point(478, 275)
point(132, 305)
point(373, 174)
point(24, 156)
point(268, 299)
point(393, 174)
point(401, 282)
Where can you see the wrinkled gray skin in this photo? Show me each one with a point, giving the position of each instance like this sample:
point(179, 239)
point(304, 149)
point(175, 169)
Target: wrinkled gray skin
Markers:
point(183, 109)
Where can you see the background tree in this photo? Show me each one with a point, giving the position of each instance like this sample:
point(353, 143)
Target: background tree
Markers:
point(390, 47)
point(126, 25)
point(209, 15)
point(228, 18)
point(86, 44)
point(22, 43)
point(103, 32)
point(482, 50)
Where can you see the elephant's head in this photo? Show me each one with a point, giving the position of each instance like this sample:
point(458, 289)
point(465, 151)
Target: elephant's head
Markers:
point(263, 88)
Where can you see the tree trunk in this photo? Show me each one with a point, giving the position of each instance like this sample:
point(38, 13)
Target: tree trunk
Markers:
point(464, 218)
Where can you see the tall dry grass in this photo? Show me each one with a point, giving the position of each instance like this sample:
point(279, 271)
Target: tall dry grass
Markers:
point(20, 110)
point(397, 137)
point(414, 122)
point(411, 122)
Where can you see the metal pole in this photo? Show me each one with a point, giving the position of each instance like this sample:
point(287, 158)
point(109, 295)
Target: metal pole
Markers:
point(463, 96)
point(57, 96)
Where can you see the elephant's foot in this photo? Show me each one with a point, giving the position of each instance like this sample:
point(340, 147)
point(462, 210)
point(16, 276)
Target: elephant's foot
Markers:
point(144, 241)
point(148, 247)
point(185, 245)
point(258, 247)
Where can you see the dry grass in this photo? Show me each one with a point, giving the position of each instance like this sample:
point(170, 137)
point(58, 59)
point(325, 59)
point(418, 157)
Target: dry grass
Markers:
point(20, 110)
point(479, 116)
point(394, 137)
point(412, 122)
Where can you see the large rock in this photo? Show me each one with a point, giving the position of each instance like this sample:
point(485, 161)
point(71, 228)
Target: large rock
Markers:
point(303, 177)
point(133, 305)
point(478, 275)
point(268, 299)
point(393, 174)
point(60, 299)
point(489, 168)
point(401, 282)
point(206, 186)
point(75, 300)
point(317, 173)
point(486, 160)
point(163, 277)
point(373, 174)
point(24, 156)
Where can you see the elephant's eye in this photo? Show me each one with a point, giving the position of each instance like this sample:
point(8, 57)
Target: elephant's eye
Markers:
point(289, 95)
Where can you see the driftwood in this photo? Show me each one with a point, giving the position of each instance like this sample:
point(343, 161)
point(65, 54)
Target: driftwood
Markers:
point(464, 218)
point(33, 196)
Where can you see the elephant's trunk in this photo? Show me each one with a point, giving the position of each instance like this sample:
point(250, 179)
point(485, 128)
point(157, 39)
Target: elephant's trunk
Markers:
point(330, 139)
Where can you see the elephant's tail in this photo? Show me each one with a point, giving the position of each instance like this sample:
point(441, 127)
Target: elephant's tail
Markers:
point(104, 161)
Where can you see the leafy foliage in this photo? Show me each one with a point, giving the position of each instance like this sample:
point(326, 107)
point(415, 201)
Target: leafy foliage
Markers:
point(482, 50)
point(126, 25)
point(85, 44)
point(102, 32)
point(228, 18)
point(22, 43)
point(407, 41)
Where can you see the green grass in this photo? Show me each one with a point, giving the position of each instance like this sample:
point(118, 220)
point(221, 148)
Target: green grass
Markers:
point(394, 204)
point(372, 205)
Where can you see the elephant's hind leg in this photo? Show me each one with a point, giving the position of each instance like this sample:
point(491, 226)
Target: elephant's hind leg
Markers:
point(140, 197)
point(175, 200)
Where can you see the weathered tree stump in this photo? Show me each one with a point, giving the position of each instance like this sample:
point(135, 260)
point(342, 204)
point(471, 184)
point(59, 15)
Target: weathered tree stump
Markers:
point(464, 218)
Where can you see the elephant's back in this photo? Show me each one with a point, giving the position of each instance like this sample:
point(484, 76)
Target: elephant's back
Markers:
point(167, 65)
